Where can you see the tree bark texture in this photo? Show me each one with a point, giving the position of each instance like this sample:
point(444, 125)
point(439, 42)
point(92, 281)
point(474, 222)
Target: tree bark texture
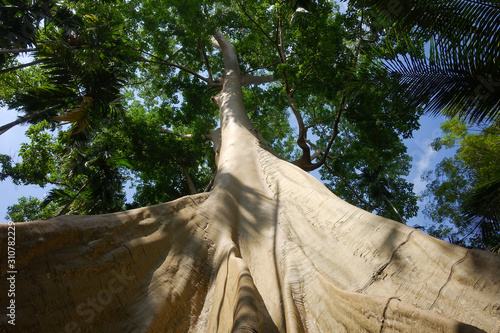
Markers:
point(269, 249)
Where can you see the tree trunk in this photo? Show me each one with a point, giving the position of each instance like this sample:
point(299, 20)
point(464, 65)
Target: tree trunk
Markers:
point(269, 249)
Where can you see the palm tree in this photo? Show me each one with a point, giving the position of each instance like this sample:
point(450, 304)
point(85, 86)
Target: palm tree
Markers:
point(97, 190)
point(481, 213)
point(84, 61)
point(460, 71)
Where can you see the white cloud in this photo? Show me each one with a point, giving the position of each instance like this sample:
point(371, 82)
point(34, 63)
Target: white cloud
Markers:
point(343, 6)
point(423, 161)
point(426, 158)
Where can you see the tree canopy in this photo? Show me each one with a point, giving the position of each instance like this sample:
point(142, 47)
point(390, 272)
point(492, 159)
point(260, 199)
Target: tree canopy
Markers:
point(133, 81)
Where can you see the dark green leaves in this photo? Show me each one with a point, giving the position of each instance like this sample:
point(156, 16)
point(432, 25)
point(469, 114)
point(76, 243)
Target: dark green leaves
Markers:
point(463, 191)
point(29, 209)
point(460, 72)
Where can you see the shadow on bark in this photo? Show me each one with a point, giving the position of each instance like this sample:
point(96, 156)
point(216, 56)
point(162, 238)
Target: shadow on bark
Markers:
point(288, 257)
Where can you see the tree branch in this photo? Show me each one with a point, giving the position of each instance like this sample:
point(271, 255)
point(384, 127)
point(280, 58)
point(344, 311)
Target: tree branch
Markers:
point(305, 159)
point(141, 82)
point(276, 33)
point(210, 183)
point(16, 51)
point(24, 119)
point(309, 73)
point(337, 118)
point(66, 207)
point(389, 202)
point(256, 24)
point(189, 180)
point(7, 70)
point(182, 68)
point(330, 142)
point(182, 136)
point(162, 61)
point(281, 46)
point(247, 80)
point(318, 122)
point(205, 58)
point(263, 67)
point(317, 151)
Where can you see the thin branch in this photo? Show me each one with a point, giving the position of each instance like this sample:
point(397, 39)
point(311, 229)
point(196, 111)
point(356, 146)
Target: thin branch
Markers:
point(317, 150)
point(256, 24)
point(211, 183)
point(281, 52)
point(171, 64)
point(141, 82)
point(205, 58)
point(330, 142)
point(281, 46)
point(276, 33)
point(185, 69)
point(319, 122)
point(66, 207)
point(305, 159)
point(24, 119)
point(16, 51)
point(182, 136)
point(308, 74)
point(342, 104)
point(389, 202)
point(263, 67)
point(152, 55)
point(7, 70)
point(189, 180)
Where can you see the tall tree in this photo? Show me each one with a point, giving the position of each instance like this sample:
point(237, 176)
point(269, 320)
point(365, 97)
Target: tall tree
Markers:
point(463, 191)
point(161, 81)
point(268, 248)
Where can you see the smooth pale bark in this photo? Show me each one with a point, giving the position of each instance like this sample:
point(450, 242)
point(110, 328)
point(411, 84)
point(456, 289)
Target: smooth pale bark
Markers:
point(269, 249)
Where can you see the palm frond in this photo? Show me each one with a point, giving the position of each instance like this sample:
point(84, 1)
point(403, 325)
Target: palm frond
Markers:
point(43, 98)
point(481, 211)
point(460, 72)
point(455, 91)
point(56, 195)
point(82, 56)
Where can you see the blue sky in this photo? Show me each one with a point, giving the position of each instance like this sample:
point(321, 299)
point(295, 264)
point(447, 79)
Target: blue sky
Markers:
point(10, 143)
point(424, 158)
